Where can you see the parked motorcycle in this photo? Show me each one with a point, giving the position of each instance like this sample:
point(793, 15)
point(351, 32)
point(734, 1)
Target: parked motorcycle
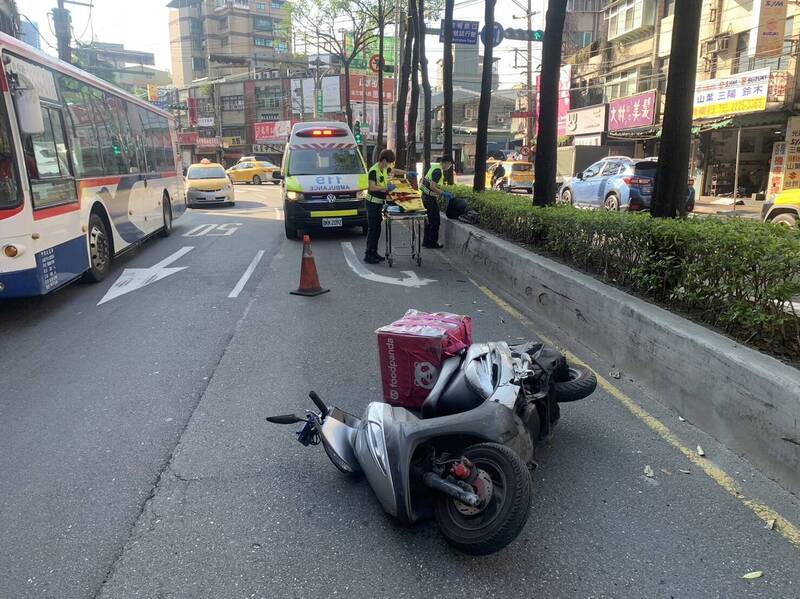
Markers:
point(465, 458)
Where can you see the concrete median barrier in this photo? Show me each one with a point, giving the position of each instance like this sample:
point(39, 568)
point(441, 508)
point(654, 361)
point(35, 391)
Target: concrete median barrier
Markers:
point(747, 400)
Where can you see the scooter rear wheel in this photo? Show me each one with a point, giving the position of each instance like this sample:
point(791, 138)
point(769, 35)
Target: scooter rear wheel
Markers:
point(503, 518)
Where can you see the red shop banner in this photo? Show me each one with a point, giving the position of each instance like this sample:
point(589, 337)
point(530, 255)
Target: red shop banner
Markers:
point(271, 130)
point(188, 139)
point(359, 82)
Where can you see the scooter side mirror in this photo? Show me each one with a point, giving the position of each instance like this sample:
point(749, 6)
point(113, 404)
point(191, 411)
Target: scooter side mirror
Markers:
point(285, 419)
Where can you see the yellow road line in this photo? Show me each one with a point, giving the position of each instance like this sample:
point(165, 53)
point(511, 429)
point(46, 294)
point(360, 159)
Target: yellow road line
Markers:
point(724, 480)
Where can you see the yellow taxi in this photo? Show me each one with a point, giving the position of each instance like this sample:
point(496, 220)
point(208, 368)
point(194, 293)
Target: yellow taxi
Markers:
point(207, 183)
point(253, 171)
point(784, 209)
point(518, 175)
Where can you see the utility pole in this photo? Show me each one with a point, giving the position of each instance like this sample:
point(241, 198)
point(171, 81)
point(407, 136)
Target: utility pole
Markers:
point(62, 23)
point(529, 108)
point(479, 180)
point(364, 108)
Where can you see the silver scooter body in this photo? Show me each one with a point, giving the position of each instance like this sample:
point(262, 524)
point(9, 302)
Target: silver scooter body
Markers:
point(383, 442)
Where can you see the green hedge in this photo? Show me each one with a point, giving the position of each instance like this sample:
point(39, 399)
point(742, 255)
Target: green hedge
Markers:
point(735, 274)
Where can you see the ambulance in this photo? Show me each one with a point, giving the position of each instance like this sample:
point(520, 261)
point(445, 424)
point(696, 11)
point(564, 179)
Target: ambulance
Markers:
point(324, 179)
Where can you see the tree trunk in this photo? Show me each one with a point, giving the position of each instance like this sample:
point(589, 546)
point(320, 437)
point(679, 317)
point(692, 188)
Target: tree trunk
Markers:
point(544, 186)
point(348, 109)
point(402, 96)
point(381, 31)
point(413, 108)
point(447, 83)
point(479, 180)
point(669, 195)
point(426, 88)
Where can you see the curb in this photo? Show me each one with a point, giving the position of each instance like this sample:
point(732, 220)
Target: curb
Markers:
point(747, 400)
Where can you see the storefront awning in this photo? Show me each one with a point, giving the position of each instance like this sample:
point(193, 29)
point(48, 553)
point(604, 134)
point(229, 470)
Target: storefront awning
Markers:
point(752, 119)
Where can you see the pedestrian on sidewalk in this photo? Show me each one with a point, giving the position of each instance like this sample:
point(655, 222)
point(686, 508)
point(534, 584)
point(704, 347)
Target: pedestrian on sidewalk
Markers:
point(432, 190)
point(378, 190)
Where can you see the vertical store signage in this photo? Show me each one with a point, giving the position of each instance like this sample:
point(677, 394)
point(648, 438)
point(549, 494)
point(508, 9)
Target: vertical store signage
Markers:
point(565, 77)
point(791, 167)
point(775, 183)
point(769, 28)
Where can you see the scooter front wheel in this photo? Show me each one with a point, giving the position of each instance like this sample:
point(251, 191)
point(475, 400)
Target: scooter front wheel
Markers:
point(498, 522)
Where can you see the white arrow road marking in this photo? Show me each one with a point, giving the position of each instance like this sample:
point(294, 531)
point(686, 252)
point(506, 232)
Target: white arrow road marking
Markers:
point(411, 279)
point(132, 279)
point(247, 274)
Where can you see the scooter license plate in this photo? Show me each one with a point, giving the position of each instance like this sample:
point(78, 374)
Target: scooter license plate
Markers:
point(331, 222)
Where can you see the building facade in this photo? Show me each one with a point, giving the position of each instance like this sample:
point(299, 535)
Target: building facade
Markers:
point(218, 38)
point(745, 86)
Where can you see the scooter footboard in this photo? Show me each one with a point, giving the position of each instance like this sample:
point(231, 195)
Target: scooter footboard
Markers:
point(490, 422)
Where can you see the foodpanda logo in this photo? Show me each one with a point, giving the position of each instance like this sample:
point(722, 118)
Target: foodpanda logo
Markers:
point(425, 375)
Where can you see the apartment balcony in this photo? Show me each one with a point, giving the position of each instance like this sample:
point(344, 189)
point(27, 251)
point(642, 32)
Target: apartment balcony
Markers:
point(630, 20)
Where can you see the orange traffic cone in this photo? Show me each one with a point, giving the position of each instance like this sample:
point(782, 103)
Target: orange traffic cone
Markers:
point(309, 280)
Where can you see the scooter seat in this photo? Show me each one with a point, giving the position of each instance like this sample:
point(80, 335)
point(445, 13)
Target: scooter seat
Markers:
point(450, 366)
point(451, 394)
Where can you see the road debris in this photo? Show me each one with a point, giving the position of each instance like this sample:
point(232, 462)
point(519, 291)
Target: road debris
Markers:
point(648, 471)
point(770, 525)
point(700, 451)
point(684, 471)
point(753, 575)
point(681, 419)
point(614, 374)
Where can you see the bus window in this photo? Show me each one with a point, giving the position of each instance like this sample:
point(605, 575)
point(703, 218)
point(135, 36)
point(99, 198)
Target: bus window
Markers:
point(9, 184)
point(82, 134)
point(47, 163)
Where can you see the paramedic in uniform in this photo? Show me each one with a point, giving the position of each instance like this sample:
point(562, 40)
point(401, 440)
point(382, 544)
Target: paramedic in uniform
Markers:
point(379, 188)
point(431, 192)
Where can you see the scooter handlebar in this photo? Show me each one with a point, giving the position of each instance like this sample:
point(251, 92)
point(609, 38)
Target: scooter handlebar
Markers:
point(319, 403)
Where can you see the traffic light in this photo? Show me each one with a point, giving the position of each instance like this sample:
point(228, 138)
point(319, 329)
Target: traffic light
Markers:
point(536, 35)
point(358, 137)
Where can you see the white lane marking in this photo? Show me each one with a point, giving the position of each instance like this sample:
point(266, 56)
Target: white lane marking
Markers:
point(132, 279)
point(247, 274)
point(411, 279)
point(278, 214)
point(222, 229)
point(199, 230)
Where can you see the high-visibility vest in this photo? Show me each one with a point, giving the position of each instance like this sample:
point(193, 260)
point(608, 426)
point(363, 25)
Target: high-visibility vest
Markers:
point(425, 186)
point(382, 179)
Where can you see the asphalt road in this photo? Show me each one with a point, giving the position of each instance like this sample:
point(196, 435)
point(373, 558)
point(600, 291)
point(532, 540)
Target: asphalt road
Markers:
point(135, 460)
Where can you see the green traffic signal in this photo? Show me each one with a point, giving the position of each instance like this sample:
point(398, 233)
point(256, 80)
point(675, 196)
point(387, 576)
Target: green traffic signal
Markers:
point(358, 139)
point(536, 35)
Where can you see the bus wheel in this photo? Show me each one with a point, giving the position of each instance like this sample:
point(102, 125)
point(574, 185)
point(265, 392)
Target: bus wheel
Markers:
point(99, 250)
point(166, 208)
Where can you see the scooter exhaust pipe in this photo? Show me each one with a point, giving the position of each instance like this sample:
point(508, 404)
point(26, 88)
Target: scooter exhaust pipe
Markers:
point(439, 484)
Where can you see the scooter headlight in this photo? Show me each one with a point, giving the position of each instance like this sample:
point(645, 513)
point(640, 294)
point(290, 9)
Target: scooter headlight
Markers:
point(377, 445)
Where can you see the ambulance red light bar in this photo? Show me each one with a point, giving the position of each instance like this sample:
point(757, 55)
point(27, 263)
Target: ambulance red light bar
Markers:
point(323, 132)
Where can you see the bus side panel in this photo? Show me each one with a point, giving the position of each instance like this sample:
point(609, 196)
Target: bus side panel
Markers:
point(55, 266)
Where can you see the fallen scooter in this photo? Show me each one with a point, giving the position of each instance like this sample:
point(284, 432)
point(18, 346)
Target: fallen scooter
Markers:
point(465, 458)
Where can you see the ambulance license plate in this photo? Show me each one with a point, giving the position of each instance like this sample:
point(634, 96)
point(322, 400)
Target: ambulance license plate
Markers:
point(331, 222)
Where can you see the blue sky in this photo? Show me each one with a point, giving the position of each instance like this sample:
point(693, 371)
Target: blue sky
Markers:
point(143, 25)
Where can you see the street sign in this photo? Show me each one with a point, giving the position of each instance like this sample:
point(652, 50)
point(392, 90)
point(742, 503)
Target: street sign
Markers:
point(497, 35)
point(464, 32)
point(525, 151)
point(319, 103)
point(375, 63)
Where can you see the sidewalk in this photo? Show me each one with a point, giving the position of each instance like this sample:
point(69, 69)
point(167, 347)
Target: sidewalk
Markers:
point(745, 208)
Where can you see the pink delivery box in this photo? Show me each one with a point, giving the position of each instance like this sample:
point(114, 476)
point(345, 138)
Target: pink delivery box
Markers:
point(412, 350)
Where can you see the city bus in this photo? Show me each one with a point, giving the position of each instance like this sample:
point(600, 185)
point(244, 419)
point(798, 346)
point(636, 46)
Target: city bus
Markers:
point(87, 171)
